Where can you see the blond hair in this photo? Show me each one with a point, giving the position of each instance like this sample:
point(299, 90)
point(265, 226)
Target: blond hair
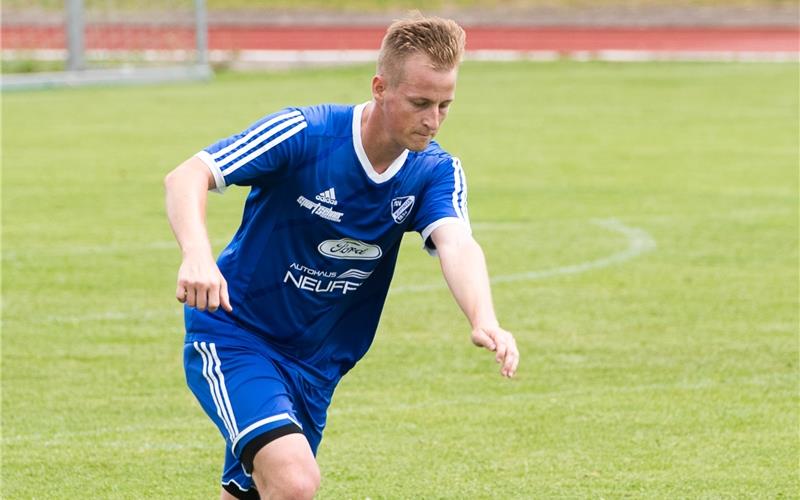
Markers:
point(441, 40)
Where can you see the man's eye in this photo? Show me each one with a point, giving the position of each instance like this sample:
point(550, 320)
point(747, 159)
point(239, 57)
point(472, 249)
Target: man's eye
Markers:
point(420, 104)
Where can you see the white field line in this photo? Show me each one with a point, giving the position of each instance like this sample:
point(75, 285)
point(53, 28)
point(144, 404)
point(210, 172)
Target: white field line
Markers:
point(639, 242)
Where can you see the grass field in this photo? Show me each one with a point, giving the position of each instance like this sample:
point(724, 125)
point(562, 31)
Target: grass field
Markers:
point(663, 370)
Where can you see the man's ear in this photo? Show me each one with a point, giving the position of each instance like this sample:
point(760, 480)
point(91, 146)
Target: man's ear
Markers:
point(378, 88)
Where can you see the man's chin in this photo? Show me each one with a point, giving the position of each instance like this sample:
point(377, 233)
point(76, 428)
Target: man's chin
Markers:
point(418, 145)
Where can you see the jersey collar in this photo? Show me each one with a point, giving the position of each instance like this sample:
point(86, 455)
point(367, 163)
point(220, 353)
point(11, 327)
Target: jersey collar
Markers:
point(377, 178)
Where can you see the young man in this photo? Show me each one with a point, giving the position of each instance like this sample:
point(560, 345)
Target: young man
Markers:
point(293, 302)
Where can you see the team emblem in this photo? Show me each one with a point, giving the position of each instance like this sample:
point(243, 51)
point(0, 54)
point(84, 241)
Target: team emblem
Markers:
point(401, 207)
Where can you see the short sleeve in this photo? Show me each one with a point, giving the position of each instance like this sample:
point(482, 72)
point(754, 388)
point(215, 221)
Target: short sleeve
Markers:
point(264, 148)
point(444, 202)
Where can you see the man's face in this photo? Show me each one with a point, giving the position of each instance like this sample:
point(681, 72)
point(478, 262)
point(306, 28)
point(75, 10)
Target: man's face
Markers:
point(415, 106)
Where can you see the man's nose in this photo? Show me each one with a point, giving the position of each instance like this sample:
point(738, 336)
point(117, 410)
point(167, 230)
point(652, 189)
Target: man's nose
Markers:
point(432, 119)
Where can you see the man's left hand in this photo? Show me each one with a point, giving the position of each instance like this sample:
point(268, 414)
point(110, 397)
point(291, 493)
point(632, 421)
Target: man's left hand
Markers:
point(500, 342)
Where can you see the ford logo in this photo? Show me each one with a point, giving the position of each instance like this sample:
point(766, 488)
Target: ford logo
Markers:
point(347, 248)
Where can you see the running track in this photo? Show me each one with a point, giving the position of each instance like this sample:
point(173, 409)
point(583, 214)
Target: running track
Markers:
point(565, 39)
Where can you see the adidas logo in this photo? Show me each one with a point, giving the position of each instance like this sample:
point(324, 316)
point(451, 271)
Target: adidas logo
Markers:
point(328, 197)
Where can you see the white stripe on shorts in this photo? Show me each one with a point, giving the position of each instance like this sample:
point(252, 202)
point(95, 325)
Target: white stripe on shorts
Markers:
point(214, 387)
point(264, 421)
point(225, 399)
point(212, 372)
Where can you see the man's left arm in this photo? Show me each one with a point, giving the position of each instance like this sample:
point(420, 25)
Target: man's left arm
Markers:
point(464, 269)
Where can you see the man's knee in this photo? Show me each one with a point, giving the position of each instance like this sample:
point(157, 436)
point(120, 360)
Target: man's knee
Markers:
point(295, 483)
point(286, 469)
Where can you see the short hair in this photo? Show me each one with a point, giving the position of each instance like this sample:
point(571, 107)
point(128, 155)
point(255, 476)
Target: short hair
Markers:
point(442, 40)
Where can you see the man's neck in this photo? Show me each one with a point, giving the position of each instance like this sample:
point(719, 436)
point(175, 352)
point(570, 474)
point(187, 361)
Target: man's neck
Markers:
point(381, 151)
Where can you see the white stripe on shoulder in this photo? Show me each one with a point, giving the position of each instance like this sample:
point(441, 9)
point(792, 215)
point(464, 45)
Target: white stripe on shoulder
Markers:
point(258, 141)
point(463, 201)
point(256, 131)
point(266, 147)
point(457, 188)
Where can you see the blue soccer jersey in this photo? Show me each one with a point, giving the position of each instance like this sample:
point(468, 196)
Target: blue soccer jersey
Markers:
point(309, 268)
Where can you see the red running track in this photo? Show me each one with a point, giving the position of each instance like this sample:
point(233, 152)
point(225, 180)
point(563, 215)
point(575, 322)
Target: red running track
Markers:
point(230, 37)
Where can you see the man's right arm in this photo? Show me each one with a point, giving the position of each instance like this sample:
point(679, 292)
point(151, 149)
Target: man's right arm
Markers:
point(200, 282)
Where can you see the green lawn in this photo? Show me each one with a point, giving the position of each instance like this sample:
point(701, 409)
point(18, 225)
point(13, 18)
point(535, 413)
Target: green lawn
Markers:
point(667, 370)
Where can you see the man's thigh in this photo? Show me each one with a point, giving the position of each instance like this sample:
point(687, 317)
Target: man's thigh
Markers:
point(247, 397)
point(242, 391)
point(254, 397)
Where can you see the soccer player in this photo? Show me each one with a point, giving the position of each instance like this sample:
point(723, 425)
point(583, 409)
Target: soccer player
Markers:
point(293, 301)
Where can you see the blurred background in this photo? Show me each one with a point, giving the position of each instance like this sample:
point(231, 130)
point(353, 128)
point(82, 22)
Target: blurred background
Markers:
point(107, 41)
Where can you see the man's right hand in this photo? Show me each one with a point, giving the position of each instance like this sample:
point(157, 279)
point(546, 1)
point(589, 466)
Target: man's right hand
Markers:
point(201, 284)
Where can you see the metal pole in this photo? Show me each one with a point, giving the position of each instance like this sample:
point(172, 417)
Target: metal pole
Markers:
point(75, 26)
point(201, 31)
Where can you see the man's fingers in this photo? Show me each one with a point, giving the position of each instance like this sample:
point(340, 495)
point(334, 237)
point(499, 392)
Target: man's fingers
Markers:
point(510, 363)
point(203, 293)
point(514, 364)
point(213, 297)
point(482, 339)
point(202, 298)
point(506, 353)
point(512, 359)
point(500, 355)
point(225, 300)
point(503, 345)
point(202, 287)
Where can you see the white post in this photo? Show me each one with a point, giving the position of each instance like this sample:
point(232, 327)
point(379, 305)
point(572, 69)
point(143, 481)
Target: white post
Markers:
point(75, 25)
point(201, 31)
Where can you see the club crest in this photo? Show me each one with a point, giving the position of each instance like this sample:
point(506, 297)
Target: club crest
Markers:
point(401, 207)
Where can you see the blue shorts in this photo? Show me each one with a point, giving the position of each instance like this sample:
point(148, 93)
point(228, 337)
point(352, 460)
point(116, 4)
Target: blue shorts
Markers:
point(253, 395)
